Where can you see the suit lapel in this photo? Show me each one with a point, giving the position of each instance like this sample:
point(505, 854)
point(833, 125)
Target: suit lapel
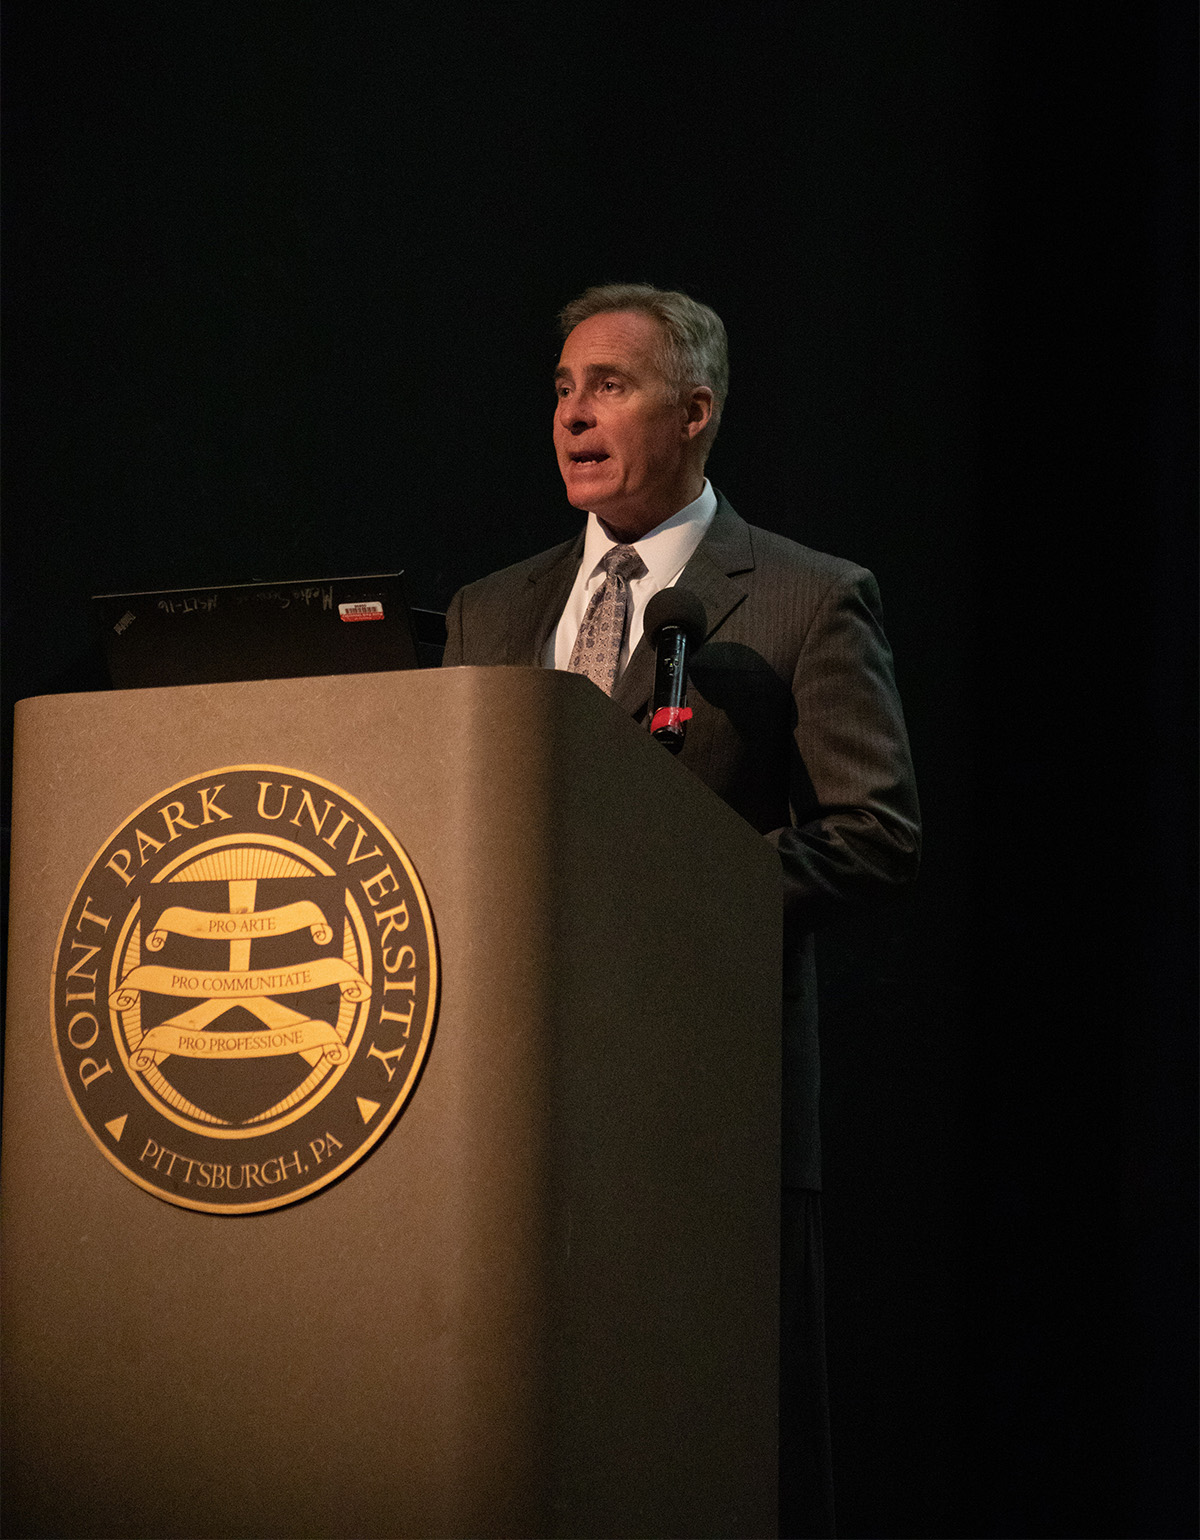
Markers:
point(537, 609)
point(711, 575)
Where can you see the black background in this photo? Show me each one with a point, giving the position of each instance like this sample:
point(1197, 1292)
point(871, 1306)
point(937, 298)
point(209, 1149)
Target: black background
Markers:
point(280, 288)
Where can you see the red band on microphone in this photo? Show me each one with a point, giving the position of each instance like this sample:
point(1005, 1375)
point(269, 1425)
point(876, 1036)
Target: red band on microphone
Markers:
point(670, 716)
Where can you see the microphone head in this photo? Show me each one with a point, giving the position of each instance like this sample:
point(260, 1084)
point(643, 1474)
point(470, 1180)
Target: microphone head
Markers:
point(676, 607)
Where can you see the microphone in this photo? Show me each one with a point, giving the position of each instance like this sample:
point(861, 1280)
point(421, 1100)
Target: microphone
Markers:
point(674, 621)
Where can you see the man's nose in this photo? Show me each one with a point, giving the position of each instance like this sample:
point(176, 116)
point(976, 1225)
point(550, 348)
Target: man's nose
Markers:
point(574, 416)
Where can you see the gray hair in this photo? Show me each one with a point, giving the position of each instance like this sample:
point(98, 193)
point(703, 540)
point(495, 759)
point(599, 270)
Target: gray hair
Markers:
point(694, 349)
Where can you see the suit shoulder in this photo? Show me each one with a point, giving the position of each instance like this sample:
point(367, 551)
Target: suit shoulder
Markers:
point(784, 555)
point(747, 547)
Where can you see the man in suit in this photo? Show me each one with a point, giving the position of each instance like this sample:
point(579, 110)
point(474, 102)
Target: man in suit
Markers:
point(796, 725)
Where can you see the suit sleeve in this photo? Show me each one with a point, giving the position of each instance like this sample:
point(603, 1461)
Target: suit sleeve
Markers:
point(855, 833)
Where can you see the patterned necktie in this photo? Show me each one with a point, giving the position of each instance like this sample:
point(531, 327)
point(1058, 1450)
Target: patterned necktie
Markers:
point(597, 649)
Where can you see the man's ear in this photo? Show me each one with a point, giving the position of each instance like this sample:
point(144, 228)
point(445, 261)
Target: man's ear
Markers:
point(699, 404)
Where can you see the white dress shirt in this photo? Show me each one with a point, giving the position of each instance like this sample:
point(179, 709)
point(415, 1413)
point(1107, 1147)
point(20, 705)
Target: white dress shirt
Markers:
point(666, 551)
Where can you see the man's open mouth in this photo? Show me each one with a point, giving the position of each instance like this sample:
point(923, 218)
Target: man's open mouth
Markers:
point(588, 457)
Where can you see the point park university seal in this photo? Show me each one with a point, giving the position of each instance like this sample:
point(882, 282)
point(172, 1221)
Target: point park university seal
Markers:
point(244, 989)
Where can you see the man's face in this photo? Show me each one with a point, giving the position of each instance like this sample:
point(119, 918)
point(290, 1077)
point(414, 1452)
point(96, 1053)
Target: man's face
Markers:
point(625, 440)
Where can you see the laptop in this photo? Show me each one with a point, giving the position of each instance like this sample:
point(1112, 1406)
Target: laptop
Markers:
point(285, 630)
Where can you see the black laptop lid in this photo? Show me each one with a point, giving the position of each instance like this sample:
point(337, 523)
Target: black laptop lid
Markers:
point(354, 625)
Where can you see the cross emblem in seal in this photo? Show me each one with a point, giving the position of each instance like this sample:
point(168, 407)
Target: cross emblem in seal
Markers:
point(196, 1031)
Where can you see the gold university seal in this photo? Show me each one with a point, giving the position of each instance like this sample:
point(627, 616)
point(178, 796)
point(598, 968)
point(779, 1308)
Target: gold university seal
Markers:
point(244, 989)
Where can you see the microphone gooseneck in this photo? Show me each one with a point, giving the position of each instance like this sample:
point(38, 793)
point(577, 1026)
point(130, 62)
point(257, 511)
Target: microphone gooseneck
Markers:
point(675, 622)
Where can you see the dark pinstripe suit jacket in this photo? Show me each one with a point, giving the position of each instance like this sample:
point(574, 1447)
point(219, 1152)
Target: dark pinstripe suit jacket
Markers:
point(797, 726)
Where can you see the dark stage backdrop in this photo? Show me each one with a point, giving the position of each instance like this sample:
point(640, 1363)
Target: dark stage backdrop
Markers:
point(280, 288)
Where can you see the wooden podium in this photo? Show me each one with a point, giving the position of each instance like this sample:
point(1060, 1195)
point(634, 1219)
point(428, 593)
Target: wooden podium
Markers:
point(545, 1304)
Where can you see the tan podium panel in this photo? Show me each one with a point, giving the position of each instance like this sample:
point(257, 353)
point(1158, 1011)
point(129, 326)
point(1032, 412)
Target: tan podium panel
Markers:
point(545, 1303)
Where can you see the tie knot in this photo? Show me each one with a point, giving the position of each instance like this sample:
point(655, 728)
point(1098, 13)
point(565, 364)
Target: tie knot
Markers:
point(623, 562)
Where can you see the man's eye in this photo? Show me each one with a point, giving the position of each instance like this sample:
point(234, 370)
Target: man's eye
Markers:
point(611, 385)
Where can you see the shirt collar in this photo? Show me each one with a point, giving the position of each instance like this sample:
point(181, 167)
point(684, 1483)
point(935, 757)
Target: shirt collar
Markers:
point(666, 549)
